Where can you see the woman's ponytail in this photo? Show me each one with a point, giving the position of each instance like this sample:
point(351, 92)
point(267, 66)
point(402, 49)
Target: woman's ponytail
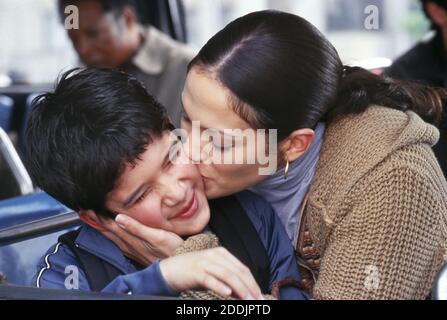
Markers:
point(359, 89)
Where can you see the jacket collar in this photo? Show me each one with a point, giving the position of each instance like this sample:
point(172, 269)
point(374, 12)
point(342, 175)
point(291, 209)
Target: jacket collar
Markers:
point(153, 55)
point(95, 243)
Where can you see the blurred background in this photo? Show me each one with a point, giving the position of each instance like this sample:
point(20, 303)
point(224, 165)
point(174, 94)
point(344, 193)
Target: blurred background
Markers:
point(34, 46)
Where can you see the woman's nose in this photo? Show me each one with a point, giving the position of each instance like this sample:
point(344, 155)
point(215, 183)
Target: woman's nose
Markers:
point(193, 148)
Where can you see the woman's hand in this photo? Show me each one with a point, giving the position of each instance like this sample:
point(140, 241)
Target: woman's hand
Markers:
point(141, 243)
point(213, 269)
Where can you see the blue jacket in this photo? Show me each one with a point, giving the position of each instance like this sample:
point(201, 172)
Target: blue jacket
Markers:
point(52, 271)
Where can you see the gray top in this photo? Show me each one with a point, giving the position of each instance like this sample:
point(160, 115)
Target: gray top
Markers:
point(160, 64)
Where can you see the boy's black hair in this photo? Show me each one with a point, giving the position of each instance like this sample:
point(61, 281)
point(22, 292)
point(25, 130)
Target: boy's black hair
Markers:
point(80, 136)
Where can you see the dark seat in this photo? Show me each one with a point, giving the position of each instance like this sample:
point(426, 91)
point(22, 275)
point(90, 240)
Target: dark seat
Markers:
point(29, 226)
point(6, 109)
point(28, 208)
point(15, 178)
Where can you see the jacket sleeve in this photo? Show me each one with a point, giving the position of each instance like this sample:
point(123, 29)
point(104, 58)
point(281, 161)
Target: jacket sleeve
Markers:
point(387, 246)
point(59, 269)
point(280, 251)
point(148, 281)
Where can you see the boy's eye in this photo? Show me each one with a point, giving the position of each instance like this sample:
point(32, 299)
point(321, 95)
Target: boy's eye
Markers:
point(143, 195)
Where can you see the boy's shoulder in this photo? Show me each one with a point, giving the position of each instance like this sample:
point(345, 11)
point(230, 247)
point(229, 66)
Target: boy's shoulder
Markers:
point(260, 212)
point(255, 204)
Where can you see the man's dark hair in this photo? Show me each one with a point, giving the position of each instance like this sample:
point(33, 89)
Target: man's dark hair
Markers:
point(109, 6)
point(80, 136)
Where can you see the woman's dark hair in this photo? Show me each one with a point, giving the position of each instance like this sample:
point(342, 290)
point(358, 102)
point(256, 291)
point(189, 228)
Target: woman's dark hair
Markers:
point(80, 137)
point(284, 74)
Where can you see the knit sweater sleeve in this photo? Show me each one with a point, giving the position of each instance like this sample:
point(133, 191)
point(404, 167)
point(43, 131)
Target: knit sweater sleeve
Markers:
point(387, 245)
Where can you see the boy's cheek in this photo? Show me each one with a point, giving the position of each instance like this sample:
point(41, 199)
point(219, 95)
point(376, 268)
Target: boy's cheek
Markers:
point(148, 218)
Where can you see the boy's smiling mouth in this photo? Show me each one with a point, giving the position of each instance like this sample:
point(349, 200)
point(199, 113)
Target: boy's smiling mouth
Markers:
point(189, 210)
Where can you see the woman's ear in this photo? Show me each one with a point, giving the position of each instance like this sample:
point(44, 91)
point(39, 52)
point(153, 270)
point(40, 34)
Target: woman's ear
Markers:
point(296, 144)
point(92, 219)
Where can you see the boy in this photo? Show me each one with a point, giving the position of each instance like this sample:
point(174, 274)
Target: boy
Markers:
point(100, 144)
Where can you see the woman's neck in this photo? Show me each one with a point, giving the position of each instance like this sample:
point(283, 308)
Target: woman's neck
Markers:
point(286, 195)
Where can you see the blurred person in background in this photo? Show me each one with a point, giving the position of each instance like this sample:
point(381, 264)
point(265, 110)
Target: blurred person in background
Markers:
point(426, 63)
point(110, 36)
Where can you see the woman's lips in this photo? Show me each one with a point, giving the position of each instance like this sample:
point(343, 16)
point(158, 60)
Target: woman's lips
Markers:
point(190, 210)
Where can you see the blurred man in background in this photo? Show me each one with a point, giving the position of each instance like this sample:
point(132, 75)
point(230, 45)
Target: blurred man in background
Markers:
point(426, 63)
point(110, 36)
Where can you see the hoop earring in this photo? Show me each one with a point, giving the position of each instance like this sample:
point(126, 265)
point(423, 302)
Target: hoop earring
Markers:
point(286, 170)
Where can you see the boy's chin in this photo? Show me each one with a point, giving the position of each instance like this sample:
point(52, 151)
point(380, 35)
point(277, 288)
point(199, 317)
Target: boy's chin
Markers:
point(190, 230)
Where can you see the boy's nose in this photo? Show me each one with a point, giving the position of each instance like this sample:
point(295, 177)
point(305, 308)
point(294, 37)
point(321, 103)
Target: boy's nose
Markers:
point(175, 193)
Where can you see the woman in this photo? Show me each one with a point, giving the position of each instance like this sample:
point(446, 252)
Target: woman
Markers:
point(359, 190)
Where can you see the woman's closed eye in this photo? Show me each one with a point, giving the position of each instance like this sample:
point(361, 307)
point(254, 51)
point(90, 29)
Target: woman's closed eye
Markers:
point(222, 148)
point(225, 143)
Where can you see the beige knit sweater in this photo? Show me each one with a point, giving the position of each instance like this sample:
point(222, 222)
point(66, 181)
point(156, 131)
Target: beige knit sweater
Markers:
point(377, 207)
point(203, 241)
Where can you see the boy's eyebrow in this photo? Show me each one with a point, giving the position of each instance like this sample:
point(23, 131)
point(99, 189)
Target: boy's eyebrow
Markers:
point(134, 194)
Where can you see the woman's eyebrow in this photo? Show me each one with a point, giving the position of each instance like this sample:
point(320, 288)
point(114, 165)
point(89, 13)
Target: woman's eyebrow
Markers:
point(206, 128)
point(222, 132)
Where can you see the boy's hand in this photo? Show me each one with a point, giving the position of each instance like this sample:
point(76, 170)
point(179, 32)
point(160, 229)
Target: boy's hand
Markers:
point(141, 243)
point(214, 269)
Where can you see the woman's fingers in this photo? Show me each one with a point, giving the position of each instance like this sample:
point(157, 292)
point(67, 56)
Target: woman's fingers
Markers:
point(217, 286)
point(241, 270)
point(232, 272)
point(132, 247)
point(161, 243)
point(245, 273)
point(227, 275)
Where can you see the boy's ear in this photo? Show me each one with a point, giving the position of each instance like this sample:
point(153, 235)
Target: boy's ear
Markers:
point(92, 219)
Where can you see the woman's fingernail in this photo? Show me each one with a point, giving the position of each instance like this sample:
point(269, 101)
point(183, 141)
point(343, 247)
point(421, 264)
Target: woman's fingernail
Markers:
point(227, 291)
point(121, 220)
